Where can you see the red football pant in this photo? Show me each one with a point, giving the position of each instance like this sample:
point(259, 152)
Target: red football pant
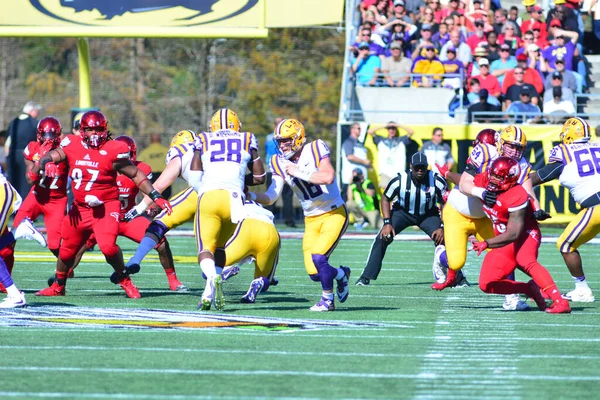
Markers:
point(53, 212)
point(133, 230)
point(81, 222)
point(500, 262)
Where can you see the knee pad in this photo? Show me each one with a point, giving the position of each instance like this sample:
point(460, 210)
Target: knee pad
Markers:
point(156, 231)
point(320, 261)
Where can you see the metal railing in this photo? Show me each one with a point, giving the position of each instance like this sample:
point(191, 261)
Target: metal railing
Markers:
point(438, 79)
point(526, 117)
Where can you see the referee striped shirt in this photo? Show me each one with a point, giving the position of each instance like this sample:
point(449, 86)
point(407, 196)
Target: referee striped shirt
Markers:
point(414, 197)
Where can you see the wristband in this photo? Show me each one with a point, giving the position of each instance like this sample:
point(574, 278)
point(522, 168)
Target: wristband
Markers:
point(478, 192)
point(140, 208)
point(154, 195)
point(387, 221)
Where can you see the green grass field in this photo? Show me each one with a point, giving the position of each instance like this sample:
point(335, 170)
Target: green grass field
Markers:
point(394, 339)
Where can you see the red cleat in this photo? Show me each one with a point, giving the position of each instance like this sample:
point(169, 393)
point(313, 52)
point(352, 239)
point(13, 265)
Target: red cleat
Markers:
point(536, 294)
point(130, 290)
point(559, 307)
point(54, 290)
point(2, 289)
point(450, 281)
point(176, 285)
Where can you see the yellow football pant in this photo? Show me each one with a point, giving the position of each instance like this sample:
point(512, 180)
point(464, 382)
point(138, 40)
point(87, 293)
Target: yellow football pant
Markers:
point(583, 228)
point(184, 206)
point(213, 226)
point(322, 234)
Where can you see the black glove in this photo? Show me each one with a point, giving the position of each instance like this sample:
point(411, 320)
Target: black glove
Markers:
point(541, 215)
point(489, 198)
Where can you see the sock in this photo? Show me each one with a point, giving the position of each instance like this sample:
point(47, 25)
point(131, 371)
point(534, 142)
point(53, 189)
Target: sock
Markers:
point(444, 259)
point(328, 296)
point(266, 284)
point(208, 267)
point(61, 278)
point(12, 291)
point(145, 247)
point(553, 292)
point(5, 277)
point(170, 272)
point(580, 282)
point(340, 274)
point(7, 239)
point(219, 270)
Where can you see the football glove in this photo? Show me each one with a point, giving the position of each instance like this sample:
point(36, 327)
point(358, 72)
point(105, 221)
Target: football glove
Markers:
point(164, 204)
point(489, 197)
point(51, 170)
point(479, 247)
point(35, 177)
point(443, 169)
point(541, 215)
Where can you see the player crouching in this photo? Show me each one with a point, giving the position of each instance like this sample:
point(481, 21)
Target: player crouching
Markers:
point(516, 242)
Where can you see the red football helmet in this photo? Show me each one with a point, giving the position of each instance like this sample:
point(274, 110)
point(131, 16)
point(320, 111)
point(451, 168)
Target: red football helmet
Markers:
point(485, 136)
point(49, 130)
point(94, 129)
point(503, 174)
point(131, 144)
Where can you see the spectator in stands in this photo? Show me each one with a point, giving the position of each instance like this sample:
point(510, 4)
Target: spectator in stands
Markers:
point(568, 78)
point(363, 201)
point(366, 66)
point(463, 51)
point(436, 151)
point(509, 36)
point(513, 16)
point(427, 17)
point(354, 155)
point(564, 15)
point(523, 110)
point(391, 151)
point(566, 93)
point(428, 65)
point(473, 68)
point(535, 59)
point(500, 19)
point(567, 49)
point(452, 66)
point(530, 76)
point(558, 110)
point(451, 24)
point(478, 13)
point(413, 9)
point(594, 12)
point(478, 36)
point(493, 47)
point(513, 93)
point(399, 13)
point(366, 35)
point(487, 80)
point(473, 95)
point(382, 11)
point(396, 68)
point(535, 20)
point(451, 9)
point(482, 106)
point(540, 37)
point(425, 40)
point(528, 39)
point(441, 37)
point(505, 64)
point(437, 10)
point(401, 31)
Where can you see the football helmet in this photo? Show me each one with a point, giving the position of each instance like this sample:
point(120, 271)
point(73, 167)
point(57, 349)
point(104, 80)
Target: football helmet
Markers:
point(49, 130)
point(290, 133)
point(511, 142)
point(184, 136)
point(225, 119)
point(77, 121)
point(486, 136)
point(94, 129)
point(575, 130)
point(503, 174)
point(131, 144)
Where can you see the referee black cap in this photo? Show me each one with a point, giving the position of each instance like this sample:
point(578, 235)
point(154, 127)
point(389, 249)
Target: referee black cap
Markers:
point(419, 159)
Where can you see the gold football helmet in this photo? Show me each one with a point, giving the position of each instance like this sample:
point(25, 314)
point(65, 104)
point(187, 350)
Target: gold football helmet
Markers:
point(225, 119)
point(575, 130)
point(181, 137)
point(289, 131)
point(511, 142)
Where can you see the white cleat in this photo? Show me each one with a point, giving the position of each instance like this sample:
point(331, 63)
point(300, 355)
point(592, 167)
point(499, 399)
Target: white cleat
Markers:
point(438, 271)
point(580, 295)
point(26, 230)
point(512, 302)
point(14, 301)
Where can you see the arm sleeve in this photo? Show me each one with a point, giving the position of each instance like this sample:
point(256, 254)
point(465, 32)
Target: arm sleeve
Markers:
point(550, 171)
point(253, 142)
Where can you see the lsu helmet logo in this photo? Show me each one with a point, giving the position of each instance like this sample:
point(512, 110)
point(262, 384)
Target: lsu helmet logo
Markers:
point(134, 12)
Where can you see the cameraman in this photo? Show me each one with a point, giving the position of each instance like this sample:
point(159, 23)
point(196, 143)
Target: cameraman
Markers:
point(363, 201)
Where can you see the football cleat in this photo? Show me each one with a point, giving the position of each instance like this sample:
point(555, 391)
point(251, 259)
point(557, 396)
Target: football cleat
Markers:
point(512, 302)
point(54, 290)
point(255, 288)
point(461, 280)
point(176, 286)
point(559, 307)
point(362, 281)
point(229, 272)
point(343, 286)
point(26, 230)
point(204, 304)
point(219, 298)
point(439, 273)
point(323, 305)
point(17, 301)
point(536, 295)
point(129, 270)
point(580, 295)
point(130, 290)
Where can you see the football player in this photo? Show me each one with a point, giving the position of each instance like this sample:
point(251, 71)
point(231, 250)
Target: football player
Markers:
point(307, 168)
point(516, 242)
point(94, 162)
point(47, 196)
point(184, 203)
point(576, 163)
point(221, 158)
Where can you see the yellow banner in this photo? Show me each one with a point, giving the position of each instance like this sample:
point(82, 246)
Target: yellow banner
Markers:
point(553, 198)
point(162, 18)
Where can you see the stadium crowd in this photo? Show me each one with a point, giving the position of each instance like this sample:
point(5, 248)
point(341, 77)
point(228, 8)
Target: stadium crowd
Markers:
point(503, 62)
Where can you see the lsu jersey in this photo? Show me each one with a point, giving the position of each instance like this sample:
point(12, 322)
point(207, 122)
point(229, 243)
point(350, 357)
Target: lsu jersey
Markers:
point(93, 178)
point(185, 152)
point(581, 168)
point(128, 190)
point(47, 188)
point(314, 199)
point(225, 156)
point(253, 210)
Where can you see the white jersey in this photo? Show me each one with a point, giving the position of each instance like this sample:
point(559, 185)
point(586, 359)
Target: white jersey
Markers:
point(185, 152)
point(581, 168)
point(481, 157)
point(225, 155)
point(314, 199)
point(253, 210)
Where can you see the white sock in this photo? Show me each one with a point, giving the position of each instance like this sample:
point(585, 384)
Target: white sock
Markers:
point(12, 291)
point(340, 274)
point(328, 296)
point(208, 267)
point(580, 283)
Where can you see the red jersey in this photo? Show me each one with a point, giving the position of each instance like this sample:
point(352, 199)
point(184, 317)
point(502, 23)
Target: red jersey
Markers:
point(47, 188)
point(94, 181)
point(128, 190)
point(509, 201)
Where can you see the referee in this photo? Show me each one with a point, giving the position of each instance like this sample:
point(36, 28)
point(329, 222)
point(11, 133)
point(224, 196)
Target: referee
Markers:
point(414, 194)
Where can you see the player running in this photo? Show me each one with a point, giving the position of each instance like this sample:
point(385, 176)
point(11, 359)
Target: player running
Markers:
point(516, 242)
point(307, 168)
point(576, 163)
point(94, 161)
